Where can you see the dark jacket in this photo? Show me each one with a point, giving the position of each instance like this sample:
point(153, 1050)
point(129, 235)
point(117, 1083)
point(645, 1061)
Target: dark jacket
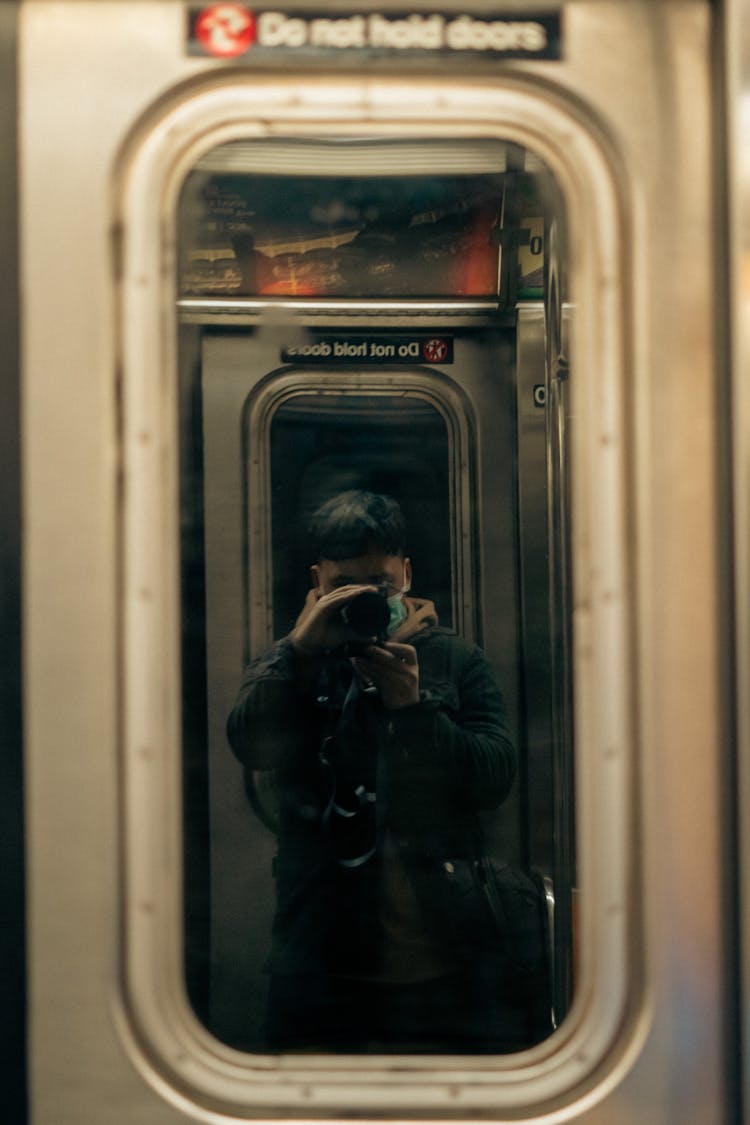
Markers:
point(350, 775)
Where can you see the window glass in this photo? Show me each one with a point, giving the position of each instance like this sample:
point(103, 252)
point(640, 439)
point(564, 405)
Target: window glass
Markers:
point(322, 445)
point(254, 233)
point(379, 812)
point(409, 236)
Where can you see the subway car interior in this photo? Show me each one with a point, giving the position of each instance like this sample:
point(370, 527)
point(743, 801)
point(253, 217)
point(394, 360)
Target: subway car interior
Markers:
point(490, 262)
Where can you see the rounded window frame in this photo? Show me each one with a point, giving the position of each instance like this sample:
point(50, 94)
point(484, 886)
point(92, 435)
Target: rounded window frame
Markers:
point(441, 393)
point(168, 1044)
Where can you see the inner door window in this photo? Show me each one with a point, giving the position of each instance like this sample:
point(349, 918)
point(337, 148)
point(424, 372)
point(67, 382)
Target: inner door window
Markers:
point(322, 445)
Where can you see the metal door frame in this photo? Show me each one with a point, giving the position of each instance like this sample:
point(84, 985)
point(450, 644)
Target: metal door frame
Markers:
point(151, 609)
point(734, 404)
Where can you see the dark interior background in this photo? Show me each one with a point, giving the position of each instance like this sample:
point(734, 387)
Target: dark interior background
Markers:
point(322, 445)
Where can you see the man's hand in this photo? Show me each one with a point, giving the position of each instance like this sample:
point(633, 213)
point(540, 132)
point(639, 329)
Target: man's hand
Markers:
point(320, 626)
point(394, 669)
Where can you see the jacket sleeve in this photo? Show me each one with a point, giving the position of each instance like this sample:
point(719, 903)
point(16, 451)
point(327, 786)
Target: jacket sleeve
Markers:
point(459, 731)
point(266, 725)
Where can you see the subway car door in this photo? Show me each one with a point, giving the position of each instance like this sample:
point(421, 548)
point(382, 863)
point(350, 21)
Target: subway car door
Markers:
point(269, 256)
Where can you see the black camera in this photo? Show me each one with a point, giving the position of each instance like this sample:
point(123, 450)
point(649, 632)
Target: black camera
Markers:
point(368, 614)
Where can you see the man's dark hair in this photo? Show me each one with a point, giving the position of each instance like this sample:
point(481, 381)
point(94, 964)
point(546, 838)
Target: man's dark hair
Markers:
point(355, 523)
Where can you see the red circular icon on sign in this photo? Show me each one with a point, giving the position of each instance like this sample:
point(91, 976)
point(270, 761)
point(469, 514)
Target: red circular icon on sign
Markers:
point(434, 351)
point(225, 30)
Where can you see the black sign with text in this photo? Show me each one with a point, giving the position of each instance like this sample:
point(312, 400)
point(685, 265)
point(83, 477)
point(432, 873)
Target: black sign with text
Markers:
point(230, 30)
point(375, 349)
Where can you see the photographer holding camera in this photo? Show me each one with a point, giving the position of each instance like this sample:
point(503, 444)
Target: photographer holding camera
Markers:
point(385, 736)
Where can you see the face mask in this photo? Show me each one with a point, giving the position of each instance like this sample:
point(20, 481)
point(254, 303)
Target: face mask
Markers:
point(397, 609)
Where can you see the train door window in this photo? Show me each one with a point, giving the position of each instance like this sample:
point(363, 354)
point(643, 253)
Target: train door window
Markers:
point(390, 866)
point(384, 827)
point(392, 443)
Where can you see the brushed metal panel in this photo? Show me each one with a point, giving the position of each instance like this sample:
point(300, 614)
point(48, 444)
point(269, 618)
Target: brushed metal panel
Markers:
point(637, 78)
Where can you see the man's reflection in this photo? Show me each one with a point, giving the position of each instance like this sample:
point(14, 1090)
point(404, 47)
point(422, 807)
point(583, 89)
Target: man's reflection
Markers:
point(386, 735)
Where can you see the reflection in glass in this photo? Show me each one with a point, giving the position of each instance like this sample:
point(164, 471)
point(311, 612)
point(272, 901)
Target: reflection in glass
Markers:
point(389, 884)
point(290, 236)
point(251, 233)
point(383, 738)
point(396, 444)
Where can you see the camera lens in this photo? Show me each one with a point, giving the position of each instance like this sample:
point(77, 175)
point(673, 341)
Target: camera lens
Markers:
point(368, 614)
